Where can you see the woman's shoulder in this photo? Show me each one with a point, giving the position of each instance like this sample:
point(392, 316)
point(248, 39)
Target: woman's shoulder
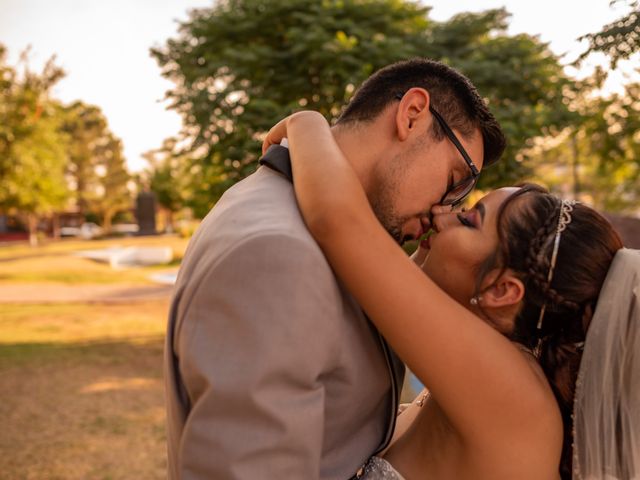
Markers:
point(540, 423)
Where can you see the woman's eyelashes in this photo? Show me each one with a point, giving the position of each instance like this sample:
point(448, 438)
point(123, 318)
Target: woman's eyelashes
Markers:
point(466, 219)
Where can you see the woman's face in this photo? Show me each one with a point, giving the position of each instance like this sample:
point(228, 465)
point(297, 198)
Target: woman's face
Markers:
point(463, 240)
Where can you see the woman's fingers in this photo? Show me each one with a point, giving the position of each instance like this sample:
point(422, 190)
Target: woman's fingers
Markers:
point(275, 135)
point(279, 130)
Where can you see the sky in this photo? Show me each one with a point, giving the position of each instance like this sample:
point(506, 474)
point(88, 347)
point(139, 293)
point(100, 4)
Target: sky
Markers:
point(104, 48)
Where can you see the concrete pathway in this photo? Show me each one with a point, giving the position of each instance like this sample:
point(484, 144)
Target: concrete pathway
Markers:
point(85, 293)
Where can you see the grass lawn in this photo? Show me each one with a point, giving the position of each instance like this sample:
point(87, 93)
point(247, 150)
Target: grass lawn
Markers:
point(54, 262)
point(82, 389)
point(82, 393)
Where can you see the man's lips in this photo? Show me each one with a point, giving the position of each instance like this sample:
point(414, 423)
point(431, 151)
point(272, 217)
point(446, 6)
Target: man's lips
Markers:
point(423, 227)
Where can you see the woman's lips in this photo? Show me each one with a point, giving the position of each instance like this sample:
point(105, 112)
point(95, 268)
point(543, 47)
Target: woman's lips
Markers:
point(425, 240)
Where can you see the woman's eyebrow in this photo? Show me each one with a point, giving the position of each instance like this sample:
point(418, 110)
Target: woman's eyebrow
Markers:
point(480, 207)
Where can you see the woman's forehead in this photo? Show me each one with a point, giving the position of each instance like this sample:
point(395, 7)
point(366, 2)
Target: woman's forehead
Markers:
point(495, 198)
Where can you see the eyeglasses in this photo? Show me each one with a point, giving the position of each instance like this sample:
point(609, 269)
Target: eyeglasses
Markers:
point(457, 192)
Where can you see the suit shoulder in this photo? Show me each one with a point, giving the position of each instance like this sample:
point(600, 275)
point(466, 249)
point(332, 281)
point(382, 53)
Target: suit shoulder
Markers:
point(262, 205)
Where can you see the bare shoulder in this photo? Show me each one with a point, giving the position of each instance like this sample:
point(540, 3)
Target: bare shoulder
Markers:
point(536, 442)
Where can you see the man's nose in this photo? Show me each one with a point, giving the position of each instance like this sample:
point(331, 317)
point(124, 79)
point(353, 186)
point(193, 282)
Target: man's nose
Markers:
point(426, 221)
point(442, 221)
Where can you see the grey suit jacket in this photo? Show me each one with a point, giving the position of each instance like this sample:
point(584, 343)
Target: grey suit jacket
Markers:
point(272, 370)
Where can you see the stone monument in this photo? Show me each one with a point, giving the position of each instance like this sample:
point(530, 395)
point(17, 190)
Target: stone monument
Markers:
point(146, 213)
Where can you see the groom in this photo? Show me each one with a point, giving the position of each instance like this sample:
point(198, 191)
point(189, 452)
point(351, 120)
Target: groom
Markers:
point(272, 370)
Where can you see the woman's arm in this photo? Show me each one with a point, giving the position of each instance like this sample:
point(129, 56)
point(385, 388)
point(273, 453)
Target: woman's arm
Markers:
point(477, 376)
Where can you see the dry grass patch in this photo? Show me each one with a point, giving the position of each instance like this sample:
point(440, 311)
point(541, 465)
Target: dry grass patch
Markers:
point(83, 393)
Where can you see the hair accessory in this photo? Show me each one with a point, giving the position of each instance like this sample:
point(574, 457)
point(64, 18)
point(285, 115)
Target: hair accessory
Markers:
point(563, 220)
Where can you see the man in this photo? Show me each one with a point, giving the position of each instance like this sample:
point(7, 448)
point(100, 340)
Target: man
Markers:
point(272, 369)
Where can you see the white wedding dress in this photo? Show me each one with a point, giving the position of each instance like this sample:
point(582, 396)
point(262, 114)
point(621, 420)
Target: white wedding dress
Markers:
point(378, 468)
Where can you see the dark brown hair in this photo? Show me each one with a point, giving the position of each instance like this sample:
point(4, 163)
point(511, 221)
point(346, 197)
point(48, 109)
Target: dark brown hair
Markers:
point(451, 93)
point(527, 223)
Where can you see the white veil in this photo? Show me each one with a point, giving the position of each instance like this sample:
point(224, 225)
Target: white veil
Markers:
point(607, 400)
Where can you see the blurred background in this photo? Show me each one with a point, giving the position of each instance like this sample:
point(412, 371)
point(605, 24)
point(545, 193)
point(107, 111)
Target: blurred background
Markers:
point(123, 122)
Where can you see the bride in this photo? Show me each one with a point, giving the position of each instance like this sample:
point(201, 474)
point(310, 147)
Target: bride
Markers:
point(496, 329)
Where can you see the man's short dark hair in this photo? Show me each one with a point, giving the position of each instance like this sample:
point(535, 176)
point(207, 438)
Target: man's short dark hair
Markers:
point(452, 95)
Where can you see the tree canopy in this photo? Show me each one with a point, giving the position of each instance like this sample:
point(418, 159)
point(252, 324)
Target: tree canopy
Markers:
point(95, 163)
point(32, 147)
point(241, 65)
point(619, 39)
point(54, 155)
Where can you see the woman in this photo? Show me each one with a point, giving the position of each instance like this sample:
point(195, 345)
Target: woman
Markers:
point(500, 360)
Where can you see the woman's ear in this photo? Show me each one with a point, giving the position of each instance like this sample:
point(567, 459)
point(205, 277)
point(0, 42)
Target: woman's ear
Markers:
point(413, 108)
point(503, 289)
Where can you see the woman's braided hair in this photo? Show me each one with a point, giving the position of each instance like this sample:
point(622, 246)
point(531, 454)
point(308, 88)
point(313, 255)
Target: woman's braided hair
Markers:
point(527, 224)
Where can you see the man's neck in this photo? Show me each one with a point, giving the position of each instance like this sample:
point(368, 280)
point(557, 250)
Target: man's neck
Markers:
point(361, 148)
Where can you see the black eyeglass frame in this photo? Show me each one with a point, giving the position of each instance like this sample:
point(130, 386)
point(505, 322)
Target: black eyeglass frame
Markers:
point(475, 173)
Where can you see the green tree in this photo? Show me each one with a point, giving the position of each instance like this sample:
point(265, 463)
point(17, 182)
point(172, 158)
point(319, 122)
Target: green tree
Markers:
point(32, 147)
point(619, 39)
point(168, 177)
point(599, 155)
point(96, 163)
point(241, 65)
point(522, 80)
point(612, 140)
point(112, 191)
point(86, 128)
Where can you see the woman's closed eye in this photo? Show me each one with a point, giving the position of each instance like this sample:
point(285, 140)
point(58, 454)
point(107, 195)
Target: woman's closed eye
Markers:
point(467, 219)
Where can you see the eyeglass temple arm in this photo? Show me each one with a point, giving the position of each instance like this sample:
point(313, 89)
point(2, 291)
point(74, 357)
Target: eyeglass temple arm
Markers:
point(454, 140)
point(451, 135)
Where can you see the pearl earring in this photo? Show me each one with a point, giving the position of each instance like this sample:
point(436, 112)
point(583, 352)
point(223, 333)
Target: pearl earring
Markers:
point(475, 300)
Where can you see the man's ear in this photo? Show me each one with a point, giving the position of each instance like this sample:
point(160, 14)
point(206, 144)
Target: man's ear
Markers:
point(413, 109)
point(502, 289)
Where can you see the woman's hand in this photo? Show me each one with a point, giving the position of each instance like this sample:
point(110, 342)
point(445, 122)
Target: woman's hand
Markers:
point(276, 134)
point(279, 130)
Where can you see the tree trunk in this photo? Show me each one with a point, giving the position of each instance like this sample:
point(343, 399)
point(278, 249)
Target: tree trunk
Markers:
point(575, 166)
point(55, 226)
point(168, 228)
point(106, 221)
point(32, 221)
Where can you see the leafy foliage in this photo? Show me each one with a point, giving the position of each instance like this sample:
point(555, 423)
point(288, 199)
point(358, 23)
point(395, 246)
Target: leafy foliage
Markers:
point(167, 178)
point(86, 129)
point(519, 76)
point(32, 155)
point(50, 153)
point(241, 65)
point(96, 163)
point(113, 191)
point(599, 154)
point(619, 39)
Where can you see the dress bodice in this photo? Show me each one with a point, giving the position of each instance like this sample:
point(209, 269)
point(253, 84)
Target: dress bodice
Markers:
point(378, 468)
